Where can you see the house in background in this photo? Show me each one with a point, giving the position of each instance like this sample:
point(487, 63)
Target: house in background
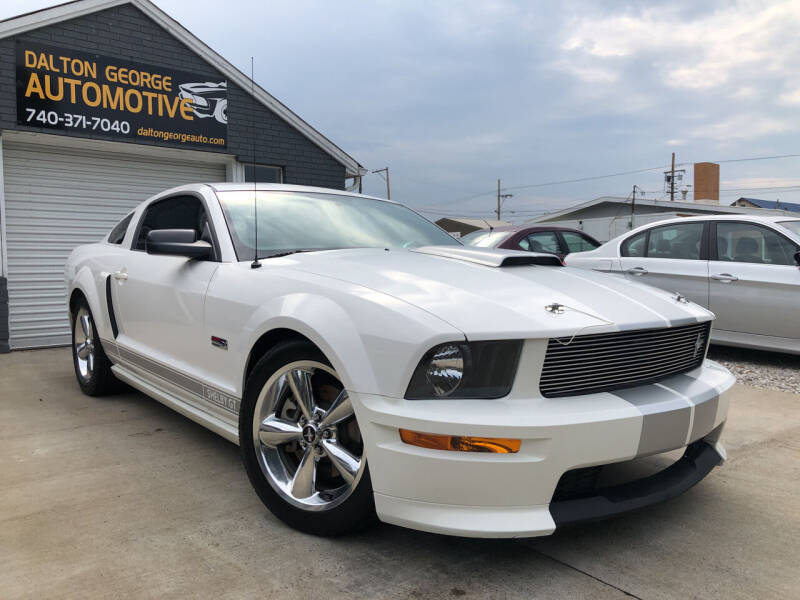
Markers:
point(608, 216)
point(771, 204)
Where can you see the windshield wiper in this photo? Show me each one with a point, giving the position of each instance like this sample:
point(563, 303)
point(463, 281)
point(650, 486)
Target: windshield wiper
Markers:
point(288, 252)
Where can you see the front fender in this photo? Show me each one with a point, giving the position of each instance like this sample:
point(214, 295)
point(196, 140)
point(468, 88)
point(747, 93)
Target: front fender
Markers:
point(373, 340)
point(323, 322)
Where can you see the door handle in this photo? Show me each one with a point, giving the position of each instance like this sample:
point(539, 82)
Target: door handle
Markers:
point(120, 275)
point(725, 277)
point(638, 271)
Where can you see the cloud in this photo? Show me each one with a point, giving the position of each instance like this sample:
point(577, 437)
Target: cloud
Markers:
point(743, 127)
point(454, 95)
point(694, 54)
point(791, 98)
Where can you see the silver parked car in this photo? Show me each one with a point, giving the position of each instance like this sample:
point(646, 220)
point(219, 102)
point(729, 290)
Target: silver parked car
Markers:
point(744, 268)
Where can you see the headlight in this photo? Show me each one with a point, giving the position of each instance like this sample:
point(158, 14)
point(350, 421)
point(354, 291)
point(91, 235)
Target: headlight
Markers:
point(445, 370)
point(466, 370)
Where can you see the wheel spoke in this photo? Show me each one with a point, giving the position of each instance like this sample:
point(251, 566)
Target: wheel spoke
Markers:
point(345, 463)
point(300, 383)
point(82, 350)
point(86, 326)
point(304, 479)
point(90, 361)
point(340, 410)
point(274, 431)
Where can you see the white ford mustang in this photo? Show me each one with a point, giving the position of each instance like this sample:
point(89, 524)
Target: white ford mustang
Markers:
point(369, 365)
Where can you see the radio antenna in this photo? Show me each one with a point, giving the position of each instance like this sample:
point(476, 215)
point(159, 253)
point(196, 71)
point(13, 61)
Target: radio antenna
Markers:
point(255, 264)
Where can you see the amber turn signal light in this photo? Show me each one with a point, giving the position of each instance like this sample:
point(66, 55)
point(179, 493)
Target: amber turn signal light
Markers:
point(460, 443)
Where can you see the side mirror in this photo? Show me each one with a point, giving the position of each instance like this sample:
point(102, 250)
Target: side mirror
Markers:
point(177, 242)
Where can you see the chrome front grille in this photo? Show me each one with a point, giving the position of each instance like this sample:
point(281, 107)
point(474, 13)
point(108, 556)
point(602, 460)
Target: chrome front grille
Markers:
point(607, 361)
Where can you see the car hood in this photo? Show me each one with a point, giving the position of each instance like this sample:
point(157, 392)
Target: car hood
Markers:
point(462, 287)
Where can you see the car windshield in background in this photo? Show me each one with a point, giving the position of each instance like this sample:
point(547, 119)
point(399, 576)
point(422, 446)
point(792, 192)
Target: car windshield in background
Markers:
point(485, 239)
point(793, 226)
point(289, 221)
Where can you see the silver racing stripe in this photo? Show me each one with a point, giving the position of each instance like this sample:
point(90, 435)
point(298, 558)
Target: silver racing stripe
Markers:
point(666, 418)
point(676, 411)
point(181, 380)
point(705, 399)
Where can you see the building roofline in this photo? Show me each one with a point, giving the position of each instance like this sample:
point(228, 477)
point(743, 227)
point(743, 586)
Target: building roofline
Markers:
point(677, 205)
point(78, 8)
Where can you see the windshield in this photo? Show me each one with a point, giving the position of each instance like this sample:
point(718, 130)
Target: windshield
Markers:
point(793, 226)
point(290, 221)
point(485, 239)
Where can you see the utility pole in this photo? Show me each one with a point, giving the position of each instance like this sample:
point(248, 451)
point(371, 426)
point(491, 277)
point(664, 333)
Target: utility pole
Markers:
point(500, 198)
point(672, 180)
point(388, 189)
point(633, 207)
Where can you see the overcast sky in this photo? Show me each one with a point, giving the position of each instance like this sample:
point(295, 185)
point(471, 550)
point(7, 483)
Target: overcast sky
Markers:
point(452, 96)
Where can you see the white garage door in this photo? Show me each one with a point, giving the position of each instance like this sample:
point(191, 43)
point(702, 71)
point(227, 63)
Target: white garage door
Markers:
point(59, 198)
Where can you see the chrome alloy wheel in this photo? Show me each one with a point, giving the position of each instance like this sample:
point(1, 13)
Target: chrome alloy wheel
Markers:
point(82, 334)
point(306, 437)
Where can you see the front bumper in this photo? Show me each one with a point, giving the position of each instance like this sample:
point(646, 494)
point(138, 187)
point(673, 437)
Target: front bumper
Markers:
point(512, 495)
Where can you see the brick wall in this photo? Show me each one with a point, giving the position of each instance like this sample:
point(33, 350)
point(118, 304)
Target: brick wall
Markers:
point(125, 32)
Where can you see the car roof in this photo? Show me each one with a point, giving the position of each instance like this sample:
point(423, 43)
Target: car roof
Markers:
point(284, 187)
point(225, 186)
point(702, 218)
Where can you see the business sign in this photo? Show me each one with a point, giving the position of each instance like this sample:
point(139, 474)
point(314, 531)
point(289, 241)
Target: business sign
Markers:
point(76, 91)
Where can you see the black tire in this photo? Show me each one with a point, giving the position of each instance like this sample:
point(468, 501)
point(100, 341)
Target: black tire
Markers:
point(356, 512)
point(99, 381)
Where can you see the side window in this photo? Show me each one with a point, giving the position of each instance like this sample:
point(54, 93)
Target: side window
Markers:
point(679, 240)
point(634, 246)
point(525, 244)
point(577, 242)
point(178, 212)
point(120, 229)
point(745, 242)
point(543, 241)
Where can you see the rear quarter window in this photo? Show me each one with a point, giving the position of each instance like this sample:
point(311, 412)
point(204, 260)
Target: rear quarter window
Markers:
point(120, 229)
point(634, 246)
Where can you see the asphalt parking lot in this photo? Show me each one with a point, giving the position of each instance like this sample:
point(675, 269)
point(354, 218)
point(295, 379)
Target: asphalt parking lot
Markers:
point(121, 497)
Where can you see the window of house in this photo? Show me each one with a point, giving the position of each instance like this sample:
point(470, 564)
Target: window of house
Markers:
point(263, 173)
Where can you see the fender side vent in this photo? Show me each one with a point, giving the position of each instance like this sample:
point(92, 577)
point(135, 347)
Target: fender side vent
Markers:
point(110, 305)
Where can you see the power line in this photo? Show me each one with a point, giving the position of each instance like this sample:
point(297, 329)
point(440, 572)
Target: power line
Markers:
point(564, 181)
point(733, 160)
point(618, 174)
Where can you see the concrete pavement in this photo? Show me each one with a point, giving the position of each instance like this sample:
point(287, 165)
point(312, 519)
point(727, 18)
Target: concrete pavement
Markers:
point(121, 497)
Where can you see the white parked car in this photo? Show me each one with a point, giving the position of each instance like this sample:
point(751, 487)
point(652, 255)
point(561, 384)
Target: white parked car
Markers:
point(744, 268)
point(369, 365)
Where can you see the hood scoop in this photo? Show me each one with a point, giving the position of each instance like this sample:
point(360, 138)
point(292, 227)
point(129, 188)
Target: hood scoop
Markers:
point(491, 257)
